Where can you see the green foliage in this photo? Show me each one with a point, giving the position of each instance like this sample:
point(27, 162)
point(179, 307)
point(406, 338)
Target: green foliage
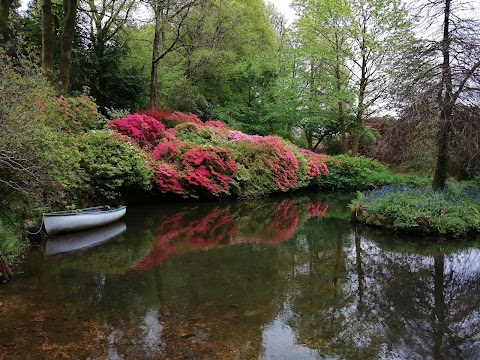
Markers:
point(359, 173)
point(190, 132)
point(11, 235)
point(34, 157)
point(454, 211)
point(252, 177)
point(114, 165)
point(350, 173)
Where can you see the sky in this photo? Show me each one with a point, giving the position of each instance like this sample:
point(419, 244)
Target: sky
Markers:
point(284, 7)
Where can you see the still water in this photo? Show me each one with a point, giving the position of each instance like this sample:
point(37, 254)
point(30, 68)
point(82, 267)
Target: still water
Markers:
point(283, 278)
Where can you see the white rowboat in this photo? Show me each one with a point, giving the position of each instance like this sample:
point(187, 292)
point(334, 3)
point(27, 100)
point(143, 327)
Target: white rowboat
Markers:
point(66, 221)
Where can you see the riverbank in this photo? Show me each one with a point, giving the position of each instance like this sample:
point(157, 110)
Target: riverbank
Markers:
point(345, 173)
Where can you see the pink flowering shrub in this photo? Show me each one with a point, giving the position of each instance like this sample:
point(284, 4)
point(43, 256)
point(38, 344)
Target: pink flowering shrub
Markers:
point(168, 179)
point(208, 168)
point(142, 129)
point(317, 163)
point(216, 124)
point(167, 150)
point(171, 119)
point(266, 164)
point(283, 164)
point(192, 158)
point(235, 136)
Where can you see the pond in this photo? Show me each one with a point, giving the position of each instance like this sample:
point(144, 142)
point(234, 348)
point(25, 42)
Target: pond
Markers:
point(282, 278)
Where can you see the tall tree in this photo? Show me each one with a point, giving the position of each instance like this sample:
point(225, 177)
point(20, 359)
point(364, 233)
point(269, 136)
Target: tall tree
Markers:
point(51, 22)
point(167, 14)
point(380, 30)
point(439, 76)
point(48, 40)
point(104, 23)
point(460, 73)
point(323, 38)
point(349, 46)
point(68, 33)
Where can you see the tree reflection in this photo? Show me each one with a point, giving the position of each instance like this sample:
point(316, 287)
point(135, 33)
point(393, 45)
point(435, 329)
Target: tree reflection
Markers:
point(390, 304)
point(439, 307)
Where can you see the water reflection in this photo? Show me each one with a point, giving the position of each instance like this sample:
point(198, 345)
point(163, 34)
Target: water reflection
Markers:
point(195, 229)
point(282, 278)
point(80, 240)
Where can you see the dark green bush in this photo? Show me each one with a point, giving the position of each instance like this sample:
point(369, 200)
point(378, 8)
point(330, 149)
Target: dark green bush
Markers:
point(114, 165)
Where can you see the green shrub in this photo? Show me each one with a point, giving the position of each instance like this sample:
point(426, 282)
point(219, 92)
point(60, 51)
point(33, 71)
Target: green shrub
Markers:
point(455, 211)
point(252, 177)
point(199, 135)
point(348, 173)
point(13, 239)
point(360, 173)
point(114, 165)
point(35, 159)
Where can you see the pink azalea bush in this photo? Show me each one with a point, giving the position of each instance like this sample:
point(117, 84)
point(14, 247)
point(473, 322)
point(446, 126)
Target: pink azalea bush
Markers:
point(209, 168)
point(317, 165)
point(142, 129)
point(193, 158)
point(168, 179)
point(171, 119)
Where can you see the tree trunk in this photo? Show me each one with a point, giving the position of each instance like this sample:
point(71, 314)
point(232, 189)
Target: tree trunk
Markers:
point(343, 130)
point(309, 137)
point(441, 167)
point(341, 111)
point(155, 55)
point(5, 6)
point(70, 7)
point(47, 40)
point(357, 133)
point(446, 103)
point(360, 109)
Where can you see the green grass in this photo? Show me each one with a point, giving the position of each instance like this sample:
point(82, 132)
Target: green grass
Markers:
point(455, 211)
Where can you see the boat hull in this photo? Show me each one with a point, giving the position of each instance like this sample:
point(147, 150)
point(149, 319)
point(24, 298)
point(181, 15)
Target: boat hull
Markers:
point(62, 222)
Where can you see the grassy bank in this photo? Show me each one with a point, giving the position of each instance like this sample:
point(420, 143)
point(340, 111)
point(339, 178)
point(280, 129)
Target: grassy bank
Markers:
point(452, 212)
